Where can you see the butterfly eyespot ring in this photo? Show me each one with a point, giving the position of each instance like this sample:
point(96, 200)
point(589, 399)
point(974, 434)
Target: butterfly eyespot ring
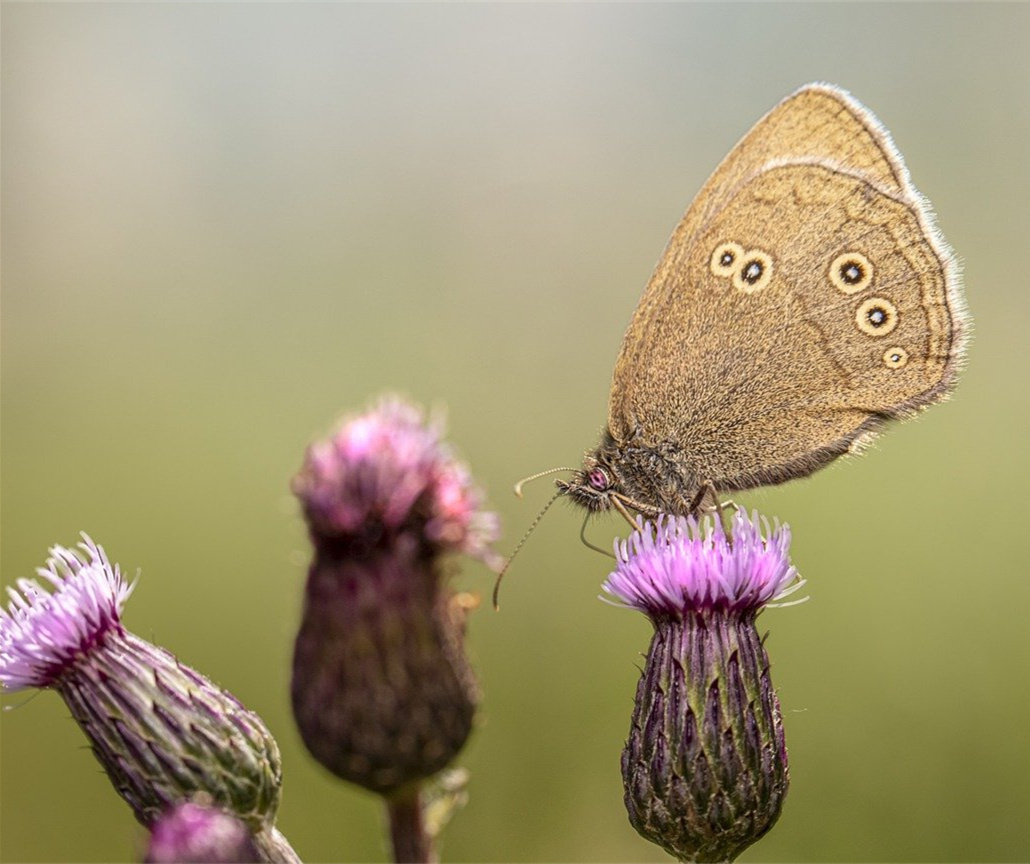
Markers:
point(726, 259)
point(851, 272)
point(895, 358)
point(755, 271)
point(598, 479)
point(876, 316)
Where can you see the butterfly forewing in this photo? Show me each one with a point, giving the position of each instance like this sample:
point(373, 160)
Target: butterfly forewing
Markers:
point(803, 298)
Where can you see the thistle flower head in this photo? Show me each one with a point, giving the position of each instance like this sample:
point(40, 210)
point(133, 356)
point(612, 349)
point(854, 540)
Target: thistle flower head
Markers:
point(680, 565)
point(705, 764)
point(386, 470)
point(43, 633)
point(383, 693)
point(162, 731)
point(193, 832)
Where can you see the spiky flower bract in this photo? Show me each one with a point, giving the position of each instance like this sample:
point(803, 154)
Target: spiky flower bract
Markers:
point(705, 764)
point(383, 693)
point(162, 731)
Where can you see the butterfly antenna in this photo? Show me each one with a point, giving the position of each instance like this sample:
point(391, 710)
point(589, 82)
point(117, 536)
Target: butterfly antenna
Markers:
point(525, 480)
point(521, 543)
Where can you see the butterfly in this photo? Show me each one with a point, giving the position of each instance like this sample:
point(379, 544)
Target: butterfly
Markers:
point(805, 299)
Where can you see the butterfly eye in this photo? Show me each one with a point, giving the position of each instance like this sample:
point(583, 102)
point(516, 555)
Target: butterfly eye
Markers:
point(598, 479)
point(876, 316)
point(755, 272)
point(895, 358)
point(726, 258)
point(851, 272)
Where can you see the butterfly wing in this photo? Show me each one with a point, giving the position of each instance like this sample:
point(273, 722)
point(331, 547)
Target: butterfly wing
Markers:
point(804, 298)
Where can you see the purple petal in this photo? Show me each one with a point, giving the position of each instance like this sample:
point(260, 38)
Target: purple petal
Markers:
point(43, 632)
point(389, 468)
point(678, 565)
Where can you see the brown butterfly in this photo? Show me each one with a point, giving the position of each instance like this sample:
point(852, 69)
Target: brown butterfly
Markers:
point(805, 299)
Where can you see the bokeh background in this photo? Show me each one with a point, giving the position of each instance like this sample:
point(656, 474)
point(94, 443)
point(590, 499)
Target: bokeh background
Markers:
point(225, 224)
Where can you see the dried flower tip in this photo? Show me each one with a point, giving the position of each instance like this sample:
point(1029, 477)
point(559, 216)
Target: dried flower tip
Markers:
point(388, 470)
point(42, 634)
point(679, 565)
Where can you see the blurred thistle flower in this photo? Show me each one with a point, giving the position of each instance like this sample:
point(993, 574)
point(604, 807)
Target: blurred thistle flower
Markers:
point(162, 731)
point(383, 694)
point(386, 476)
point(705, 765)
point(195, 833)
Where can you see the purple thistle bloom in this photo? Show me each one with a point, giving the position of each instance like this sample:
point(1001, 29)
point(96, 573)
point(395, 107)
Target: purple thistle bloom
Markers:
point(389, 470)
point(705, 764)
point(383, 694)
point(681, 566)
point(162, 731)
point(192, 833)
point(42, 634)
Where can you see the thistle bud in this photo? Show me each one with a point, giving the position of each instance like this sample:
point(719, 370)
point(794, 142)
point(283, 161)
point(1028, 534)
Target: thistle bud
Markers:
point(162, 731)
point(705, 765)
point(192, 833)
point(383, 694)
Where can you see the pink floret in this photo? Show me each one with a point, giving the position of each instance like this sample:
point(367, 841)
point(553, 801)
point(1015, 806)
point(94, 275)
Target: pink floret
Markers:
point(680, 565)
point(44, 632)
point(389, 469)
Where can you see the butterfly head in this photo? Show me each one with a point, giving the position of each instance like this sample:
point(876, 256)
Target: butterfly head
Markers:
point(594, 486)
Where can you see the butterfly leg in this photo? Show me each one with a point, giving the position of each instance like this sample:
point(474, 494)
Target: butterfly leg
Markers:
point(728, 506)
point(720, 508)
point(698, 501)
point(706, 493)
point(587, 543)
point(622, 509)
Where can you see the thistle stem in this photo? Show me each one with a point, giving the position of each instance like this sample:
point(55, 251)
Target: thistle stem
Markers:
point(412, 843)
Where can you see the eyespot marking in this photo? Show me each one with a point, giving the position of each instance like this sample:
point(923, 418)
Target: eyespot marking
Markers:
point(851, 272)
point(755, 271)
point(895, 358)
point(876, 316)
point(726, 259)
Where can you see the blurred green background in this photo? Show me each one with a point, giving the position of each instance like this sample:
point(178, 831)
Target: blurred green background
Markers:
point(225, 224)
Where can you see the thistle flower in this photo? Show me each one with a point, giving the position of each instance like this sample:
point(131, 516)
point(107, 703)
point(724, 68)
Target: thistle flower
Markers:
point(193, 833)
point(387, 475)
point(705, 765)
point(383, 694)
point(161, 730)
